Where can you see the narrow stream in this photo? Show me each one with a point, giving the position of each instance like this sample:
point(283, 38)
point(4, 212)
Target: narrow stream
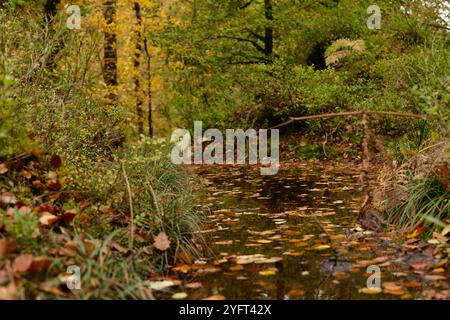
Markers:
point(267, 245)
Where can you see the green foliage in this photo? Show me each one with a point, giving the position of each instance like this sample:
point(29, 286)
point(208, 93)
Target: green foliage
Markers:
point(316, 151)
point(22, 227)
point(427, 202)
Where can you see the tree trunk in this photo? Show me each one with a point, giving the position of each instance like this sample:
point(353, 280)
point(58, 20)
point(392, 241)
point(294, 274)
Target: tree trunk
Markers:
point(137, 64)
point(268, 37)
point(110, 51)
point(149, 89)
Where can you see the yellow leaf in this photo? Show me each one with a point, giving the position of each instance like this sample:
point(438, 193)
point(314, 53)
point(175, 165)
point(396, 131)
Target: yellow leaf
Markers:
point(370, 290)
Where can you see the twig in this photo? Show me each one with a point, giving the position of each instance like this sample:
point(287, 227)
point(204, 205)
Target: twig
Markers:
point(155, 201)
point(130, 200)
point(336, 254)
point(352, 113)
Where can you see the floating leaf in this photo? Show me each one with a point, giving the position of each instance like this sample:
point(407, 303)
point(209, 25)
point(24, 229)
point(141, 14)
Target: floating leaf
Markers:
point(268, 272)
point(160, 285)
point(370, 290)
point(179, 296)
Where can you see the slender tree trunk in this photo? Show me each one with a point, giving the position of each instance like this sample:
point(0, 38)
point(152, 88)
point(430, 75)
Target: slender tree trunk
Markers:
point(149, 89)
point(268, 37)
point(110, 51)
point(137, 64)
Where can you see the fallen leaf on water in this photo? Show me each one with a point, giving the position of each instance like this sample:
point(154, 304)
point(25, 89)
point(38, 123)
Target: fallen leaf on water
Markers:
point(182, 268)
point(321, 247)
point(161, 242)
point(296, 293)
point(341, 275)
point(194, 285)
point(434, 277)
point(268, 272)
point(225, 242)
point(411, 284)
point(237, 268)
point(268, 260)
point(395, 291)
point(419, 265)
point(264, 241)
point(370, 290)
point(159, 285)
point(391, 285)
point(216, 297)
point(179, 296)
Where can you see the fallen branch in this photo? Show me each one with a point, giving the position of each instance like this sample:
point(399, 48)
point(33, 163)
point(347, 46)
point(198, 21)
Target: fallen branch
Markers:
point(351, 114)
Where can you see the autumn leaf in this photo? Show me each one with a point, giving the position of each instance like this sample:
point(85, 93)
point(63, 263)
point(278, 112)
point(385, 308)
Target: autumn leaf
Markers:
point(268, 272)
point(48, 219)
point(9, 292)
point(3, 168)
point(179, 296)
point(296, 293)
point(160, 285)
point(161, 242)
point(22, 263)
point(216, 297)
point(7, 247)
point(194, 285)
point(419, 265)
point(370, 290)
point(55, 161)
point(40, 264)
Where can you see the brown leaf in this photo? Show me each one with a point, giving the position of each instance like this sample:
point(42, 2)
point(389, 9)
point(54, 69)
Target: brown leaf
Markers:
point(40, 264)
point(37, 185)
point(69, 215)
point(8, 198)
point(53, 185)
point(52, 175)
point(3, 168)
point(161, 242)
point(55, 161)
point(419, 265)
point(48, 219)
point(7, 247)
point(194, 285)
point(22, 263)
point(8, 292)
point(216, 297)
point(51, 288)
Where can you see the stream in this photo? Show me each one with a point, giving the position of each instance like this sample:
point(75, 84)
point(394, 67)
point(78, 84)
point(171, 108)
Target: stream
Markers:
point(266, 243)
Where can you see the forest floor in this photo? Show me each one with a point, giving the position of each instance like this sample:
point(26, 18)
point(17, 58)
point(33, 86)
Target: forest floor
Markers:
point(295, 236)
